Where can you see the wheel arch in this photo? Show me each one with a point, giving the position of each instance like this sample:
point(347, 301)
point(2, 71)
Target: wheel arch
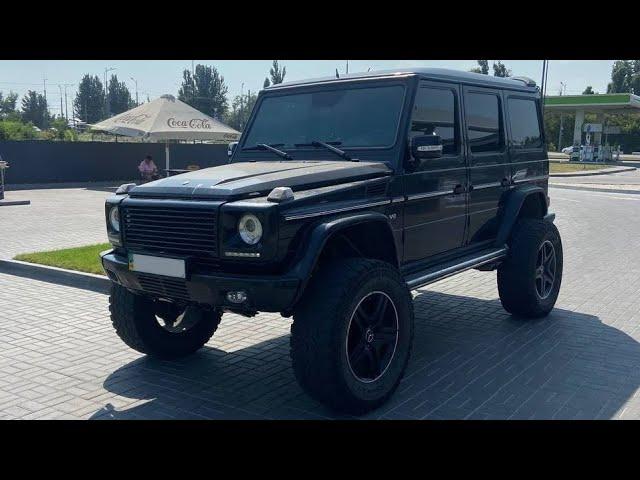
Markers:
point(370, 234)
point(525, 202)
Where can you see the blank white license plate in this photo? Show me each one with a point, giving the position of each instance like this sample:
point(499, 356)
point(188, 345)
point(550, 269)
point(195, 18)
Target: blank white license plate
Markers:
point(169, 267)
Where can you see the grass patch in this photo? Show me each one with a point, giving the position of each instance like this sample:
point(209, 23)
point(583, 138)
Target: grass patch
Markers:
point(556, 167)
point(83, 259)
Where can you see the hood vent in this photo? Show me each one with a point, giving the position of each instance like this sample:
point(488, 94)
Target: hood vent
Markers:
point(376, 189)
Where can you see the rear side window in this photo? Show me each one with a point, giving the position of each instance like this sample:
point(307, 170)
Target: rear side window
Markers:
point(484, 122)
point(434, 112)
point(524, 124)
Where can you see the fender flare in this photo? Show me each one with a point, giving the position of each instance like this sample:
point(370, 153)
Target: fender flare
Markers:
point(511, 209)
point(320, 235)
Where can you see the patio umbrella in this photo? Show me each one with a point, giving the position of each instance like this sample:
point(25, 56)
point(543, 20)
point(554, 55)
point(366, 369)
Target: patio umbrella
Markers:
point(165, 119)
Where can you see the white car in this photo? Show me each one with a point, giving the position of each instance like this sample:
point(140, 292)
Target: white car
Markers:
point(567, 150)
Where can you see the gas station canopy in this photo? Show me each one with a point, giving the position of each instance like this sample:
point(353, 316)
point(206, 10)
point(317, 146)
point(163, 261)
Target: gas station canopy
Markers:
point(595, 103)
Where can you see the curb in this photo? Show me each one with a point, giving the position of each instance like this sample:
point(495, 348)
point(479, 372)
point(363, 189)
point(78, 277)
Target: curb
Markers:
point(591, 189)
point(60, 276)
point(589, 173)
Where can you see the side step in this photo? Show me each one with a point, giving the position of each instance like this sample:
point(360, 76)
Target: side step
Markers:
point(442, 271)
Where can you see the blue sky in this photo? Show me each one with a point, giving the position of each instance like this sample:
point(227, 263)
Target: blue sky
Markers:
point(156, 77)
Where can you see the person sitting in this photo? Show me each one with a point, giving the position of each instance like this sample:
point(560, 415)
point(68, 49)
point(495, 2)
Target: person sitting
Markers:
point(148, 169)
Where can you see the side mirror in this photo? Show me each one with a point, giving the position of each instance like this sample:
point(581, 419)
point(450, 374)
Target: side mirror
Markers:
point(426, 146)
point(231, 149)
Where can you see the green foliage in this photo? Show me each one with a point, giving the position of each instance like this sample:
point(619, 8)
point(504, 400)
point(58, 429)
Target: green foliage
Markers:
point(588, 91)
point(483, 67)
point(83, 259)
point(119, 96)
point(16, 130)
point(34, 109)
point(500, 70)
point(625, 77)
point(266, 83)
point(205, 90)
point(89, 102)
point(277, 74)
point(241, 108)
point(8, 104)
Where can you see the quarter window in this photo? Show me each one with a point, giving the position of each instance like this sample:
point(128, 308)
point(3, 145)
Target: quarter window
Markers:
point(523, 121)
point(434, 112)
point(484, 122)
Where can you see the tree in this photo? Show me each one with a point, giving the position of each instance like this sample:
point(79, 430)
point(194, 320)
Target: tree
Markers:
point(621, 73)
point(205, 90)
point(500, 70)
point(588, 91)
point(8, 103)
point(89, 102)
point(119, 96)
point(266, 83)
point(483, 67)
point(277, 75)
point(241, 108)
point(34, 109)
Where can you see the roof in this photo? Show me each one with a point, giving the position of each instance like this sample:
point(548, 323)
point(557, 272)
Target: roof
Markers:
point(606, 101)
point(423, 72)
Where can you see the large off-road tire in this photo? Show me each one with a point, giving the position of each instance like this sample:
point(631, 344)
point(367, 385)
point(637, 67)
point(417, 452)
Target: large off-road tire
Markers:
point(352, 334)
point(529, 279)
point(138, 321)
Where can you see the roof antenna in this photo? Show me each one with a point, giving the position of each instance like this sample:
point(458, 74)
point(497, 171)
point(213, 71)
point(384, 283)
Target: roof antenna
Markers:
point(337, 74)
point(543, 81)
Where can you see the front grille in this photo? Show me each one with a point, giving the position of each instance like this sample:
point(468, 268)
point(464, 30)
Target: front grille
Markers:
point(163, 286)
point(180, 231)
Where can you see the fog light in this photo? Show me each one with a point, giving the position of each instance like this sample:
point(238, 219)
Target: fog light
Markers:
point(237, 297)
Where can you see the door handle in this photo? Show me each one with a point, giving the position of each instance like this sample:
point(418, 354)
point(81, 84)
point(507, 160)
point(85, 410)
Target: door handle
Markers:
point(458, 189)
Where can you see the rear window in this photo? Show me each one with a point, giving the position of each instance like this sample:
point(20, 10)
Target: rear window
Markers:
point(524, 124)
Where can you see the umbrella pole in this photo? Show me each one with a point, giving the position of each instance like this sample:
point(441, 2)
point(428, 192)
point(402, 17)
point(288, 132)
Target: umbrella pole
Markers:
point(166, 156)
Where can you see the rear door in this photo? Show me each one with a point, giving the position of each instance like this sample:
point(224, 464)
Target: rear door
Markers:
point(529, 162)
point(489, 167)
point(435, 211)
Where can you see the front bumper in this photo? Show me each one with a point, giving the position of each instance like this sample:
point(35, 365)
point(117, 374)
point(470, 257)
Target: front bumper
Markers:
point(264, 293)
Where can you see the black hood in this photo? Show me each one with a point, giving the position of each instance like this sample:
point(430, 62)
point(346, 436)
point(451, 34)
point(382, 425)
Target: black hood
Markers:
point(243, 178)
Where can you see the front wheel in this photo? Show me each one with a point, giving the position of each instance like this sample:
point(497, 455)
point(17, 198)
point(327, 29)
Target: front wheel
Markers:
point(351, 335)
point(160, 329)
point(529, 279)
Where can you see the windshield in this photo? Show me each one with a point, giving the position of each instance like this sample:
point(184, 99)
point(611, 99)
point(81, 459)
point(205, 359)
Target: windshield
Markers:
point(355, 117)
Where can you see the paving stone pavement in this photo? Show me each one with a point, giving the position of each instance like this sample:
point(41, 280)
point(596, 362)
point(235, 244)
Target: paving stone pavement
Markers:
point(60, 358)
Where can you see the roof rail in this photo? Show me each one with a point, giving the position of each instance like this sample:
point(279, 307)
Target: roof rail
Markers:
point(526, 80)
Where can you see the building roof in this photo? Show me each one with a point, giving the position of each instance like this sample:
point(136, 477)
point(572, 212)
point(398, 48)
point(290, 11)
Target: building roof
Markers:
point(594, 102)
point(433, 73)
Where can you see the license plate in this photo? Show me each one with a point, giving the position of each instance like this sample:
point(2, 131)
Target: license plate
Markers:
point(169, 267)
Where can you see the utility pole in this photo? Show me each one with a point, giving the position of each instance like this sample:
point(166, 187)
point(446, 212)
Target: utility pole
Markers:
point(241, 105)
point(136, 82)
point(106, 94)
point(347, 67)
point(46, 105)
point(66, 104)
point(563, 87)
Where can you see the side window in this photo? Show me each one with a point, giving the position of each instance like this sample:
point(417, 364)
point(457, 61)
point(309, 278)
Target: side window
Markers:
point(435, 111)
point(484, 122)
point(524, 124)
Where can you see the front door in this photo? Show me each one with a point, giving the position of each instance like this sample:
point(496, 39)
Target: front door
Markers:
point(435, 211)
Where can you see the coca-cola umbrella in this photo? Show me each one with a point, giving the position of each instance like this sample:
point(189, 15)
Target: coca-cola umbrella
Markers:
point(164, 119)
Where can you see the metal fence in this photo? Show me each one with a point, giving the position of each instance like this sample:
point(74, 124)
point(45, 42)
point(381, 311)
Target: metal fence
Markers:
point(57, 162)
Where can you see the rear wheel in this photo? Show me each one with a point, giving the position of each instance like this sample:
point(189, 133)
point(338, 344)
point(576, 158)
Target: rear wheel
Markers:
point(157, 328)
point(529, 279)
point(352, 333)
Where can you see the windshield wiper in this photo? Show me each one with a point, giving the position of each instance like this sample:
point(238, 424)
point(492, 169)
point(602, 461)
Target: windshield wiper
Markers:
point(271, 148)
point(328, 146)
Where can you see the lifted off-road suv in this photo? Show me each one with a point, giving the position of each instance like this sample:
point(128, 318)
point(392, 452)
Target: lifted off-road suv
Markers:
point(342, 196)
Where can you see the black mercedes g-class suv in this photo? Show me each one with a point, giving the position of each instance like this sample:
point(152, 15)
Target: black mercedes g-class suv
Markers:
point(342, 196)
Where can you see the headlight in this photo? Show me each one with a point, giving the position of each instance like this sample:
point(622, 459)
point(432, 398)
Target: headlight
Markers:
point(114, 219)
point(250, 229)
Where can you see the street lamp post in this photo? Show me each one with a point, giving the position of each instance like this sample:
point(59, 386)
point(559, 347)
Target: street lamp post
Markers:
point(106, 99)
point(136, 82)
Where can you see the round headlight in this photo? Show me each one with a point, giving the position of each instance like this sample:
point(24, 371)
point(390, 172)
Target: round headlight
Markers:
point(250, 229)
point(114, 218)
